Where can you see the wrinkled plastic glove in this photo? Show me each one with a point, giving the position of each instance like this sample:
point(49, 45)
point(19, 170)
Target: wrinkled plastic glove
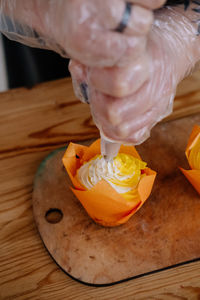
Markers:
point(122, 108)
point(84, 30)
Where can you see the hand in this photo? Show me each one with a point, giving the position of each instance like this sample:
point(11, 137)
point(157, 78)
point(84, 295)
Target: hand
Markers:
point(89, 34)
point(85, 30)
point(129, 119)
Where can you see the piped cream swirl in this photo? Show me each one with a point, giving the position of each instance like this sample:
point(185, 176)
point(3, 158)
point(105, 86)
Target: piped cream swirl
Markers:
point(123, 173)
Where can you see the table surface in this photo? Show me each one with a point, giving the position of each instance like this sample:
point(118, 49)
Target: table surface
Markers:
point(33, 122)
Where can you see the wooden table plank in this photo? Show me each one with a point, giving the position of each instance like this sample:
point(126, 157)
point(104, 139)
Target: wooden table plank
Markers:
point(49, 115)
point(42, 118)
point(32, 123)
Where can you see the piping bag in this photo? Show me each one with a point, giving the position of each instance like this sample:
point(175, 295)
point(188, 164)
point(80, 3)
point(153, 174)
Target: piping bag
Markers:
point(109, 149)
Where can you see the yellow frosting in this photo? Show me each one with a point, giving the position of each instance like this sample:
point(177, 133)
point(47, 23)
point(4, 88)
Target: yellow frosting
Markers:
point(123, 173)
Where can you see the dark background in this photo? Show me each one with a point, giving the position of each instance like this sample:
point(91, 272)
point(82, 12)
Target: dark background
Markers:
point(28, 66)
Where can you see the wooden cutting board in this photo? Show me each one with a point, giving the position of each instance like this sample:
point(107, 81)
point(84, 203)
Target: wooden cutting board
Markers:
point(165, 232)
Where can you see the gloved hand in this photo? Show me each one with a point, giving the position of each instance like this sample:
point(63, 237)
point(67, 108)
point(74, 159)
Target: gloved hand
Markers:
point(84, 30)
point(173, 49)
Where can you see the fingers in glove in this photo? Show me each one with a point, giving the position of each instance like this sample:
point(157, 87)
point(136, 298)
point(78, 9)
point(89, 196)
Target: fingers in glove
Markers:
point(136, 128)
point(120, 81)
point(134, 19)
point(140, 21)
point(151, 4)
point(79, 81)
point(94, 39)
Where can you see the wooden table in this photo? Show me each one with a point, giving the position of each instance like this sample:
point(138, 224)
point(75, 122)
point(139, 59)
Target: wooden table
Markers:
point(32, 123)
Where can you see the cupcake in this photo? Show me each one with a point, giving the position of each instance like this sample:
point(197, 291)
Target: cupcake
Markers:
point(110, 191)
point(193, 156)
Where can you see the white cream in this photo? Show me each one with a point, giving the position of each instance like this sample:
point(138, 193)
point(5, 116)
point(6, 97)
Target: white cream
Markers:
point(122, 173)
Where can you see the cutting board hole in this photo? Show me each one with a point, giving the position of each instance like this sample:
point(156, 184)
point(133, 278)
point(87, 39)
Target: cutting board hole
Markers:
point(54, 215)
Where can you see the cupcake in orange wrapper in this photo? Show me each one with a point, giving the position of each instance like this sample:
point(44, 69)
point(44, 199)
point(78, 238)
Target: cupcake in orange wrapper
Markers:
point(193, 156)
point(110, 191)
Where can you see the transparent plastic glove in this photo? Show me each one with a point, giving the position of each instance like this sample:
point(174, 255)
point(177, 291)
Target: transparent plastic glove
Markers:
point(173, 50)
point(84, 30)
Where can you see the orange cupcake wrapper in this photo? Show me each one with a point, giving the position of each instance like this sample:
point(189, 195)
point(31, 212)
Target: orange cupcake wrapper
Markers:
point(102, 203)
point(193, 136)
point(192, 175)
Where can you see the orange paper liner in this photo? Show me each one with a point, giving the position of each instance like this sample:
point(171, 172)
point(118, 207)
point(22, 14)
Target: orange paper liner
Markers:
point(102, 203)
point(192, 175)
point(192, 139)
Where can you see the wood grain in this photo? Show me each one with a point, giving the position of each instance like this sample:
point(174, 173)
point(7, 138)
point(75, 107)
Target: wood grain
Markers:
point(49, 115)
point(43, 117)
point(30, 127)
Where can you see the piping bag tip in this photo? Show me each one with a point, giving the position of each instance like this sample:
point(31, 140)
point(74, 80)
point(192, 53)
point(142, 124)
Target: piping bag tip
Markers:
point(109, 149)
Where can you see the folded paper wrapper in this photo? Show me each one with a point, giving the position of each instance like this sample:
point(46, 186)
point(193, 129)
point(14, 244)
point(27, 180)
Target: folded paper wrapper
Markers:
point(102, 203)
point(192, 175)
